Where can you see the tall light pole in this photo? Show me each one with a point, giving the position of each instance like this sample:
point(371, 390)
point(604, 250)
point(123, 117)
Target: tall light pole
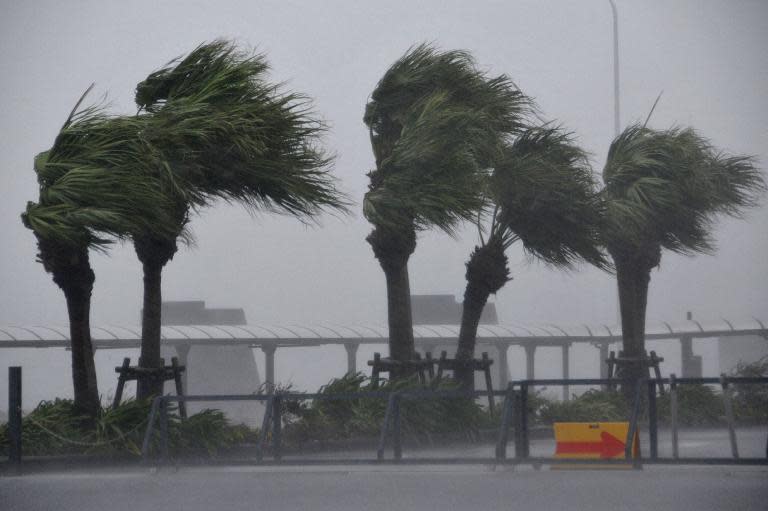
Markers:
point(616, 118)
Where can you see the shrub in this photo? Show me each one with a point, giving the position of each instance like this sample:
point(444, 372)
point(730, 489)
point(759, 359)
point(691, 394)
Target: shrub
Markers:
point(591, 406)
point(750, 402)
point(55, 428)
point(324, 419)
point(697, 405)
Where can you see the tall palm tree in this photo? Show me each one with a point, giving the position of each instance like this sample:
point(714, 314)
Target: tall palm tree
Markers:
point(663, 190)
point(542, 194)
point(247, 142)
point(90, 194)
point(436, 123)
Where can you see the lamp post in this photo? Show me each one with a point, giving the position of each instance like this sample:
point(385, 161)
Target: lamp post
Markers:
point(616, 118)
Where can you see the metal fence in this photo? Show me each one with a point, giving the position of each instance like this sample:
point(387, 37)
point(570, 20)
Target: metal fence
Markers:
point(514, 419)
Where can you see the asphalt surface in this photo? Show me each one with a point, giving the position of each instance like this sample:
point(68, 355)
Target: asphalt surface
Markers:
point(411, 487)
point(391, 488)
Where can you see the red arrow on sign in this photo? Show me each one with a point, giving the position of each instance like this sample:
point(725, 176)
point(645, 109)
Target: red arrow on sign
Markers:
point(608, 447)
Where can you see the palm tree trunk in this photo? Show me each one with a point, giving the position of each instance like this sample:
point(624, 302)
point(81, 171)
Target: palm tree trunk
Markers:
point(633, 275)
point(83, 366)
point(154, 254)
point(72, 272)
point(393, 249)
point(487, 272)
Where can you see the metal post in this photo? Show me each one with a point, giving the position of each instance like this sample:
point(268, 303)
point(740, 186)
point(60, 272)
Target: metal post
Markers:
point(385, 426)
point(163, 431)
point(673, 413)
point(506, 414)
point(396, 440)
point(266, 420)
point(566, 369)
point(14, 415)
point(530, 351)
point(351, 357)
point(633, 427)
point(502, 350)
point(150, 428)
point(653, 422)
point(269, 363)
point(729, 416)
point(523, 411)
point(277, 423)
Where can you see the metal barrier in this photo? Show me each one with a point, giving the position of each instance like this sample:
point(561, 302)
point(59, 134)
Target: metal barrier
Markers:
point(514, 416)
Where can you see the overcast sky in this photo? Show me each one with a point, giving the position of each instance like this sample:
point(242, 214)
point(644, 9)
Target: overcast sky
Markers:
point(709, 58)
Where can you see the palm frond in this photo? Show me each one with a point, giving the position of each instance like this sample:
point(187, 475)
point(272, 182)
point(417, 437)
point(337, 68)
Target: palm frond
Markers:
point(547, 199)
point(437, 124)
point(227, 133)
point(666, 187)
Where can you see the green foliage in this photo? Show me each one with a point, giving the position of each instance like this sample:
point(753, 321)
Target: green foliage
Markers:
point(698, 405)
point(664, 187)
point(750, 402)
point(591, 406)
point(55, 427)
point(545, 196)
point(349, 418)
point(436, 125)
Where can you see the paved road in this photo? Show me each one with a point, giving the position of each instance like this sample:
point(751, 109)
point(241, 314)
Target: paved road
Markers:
point(390, 488)
point(409, 487)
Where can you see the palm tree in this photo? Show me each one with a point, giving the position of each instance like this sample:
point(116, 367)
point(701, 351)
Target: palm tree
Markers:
point(663, 190)
point(90, 194)
point(247, 142)
point(542, 194)
point(436, 123)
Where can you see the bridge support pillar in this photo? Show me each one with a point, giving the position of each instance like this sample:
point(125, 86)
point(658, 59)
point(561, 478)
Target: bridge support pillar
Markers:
point(269, 363)
point(501, 359)
point(351, 357)
point(530, 371)
point(688, 361)
point(603, 361)
point(182, 352)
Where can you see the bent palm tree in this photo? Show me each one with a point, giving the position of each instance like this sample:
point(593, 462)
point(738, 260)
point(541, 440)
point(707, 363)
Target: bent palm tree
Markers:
point(246, 142)
point(90, 193)
point(543, 195)
point(436, 123)
point(663, 190)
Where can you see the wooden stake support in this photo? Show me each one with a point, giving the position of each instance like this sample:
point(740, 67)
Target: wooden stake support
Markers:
point(163, 373)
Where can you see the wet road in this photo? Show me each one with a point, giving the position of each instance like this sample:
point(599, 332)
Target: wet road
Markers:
point(412, 487)
point(391, 488)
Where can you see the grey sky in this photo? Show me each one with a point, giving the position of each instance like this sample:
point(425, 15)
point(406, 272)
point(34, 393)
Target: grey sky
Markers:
point(708, 57)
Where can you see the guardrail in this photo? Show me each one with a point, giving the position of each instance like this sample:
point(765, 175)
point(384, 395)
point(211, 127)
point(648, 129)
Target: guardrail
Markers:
point(514, 417)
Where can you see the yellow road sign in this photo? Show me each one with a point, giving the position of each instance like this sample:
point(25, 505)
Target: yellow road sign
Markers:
point(592, 440)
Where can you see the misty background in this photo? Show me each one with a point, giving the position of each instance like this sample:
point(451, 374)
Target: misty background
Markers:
point(707, 56)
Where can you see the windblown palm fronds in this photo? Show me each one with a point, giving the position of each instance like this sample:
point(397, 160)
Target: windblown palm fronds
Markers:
point(246, 141)
point(224, 132)
point(541, 193)
point(663, 190)
point(666, 188)
point(436, 125)
point(545, 197)
point(98, 182)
